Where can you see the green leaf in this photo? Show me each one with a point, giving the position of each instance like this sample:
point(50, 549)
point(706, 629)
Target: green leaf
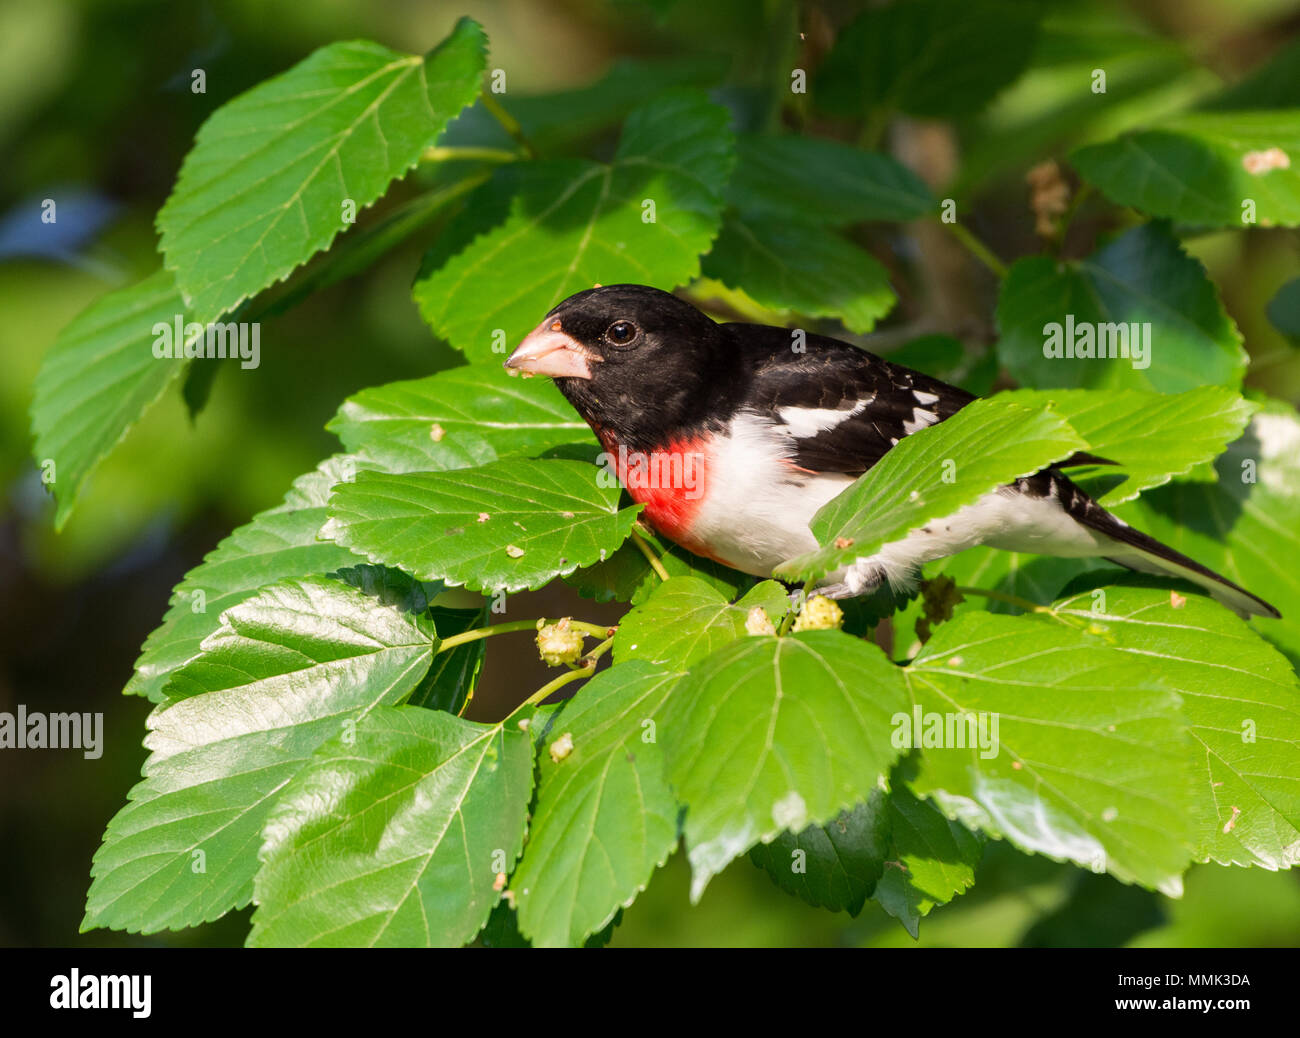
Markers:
point(277, 544)
point(1046, 735)
point(361, 249)
point(543, 519)
point(554, 122)
point(265, 185)
point(539, 232)
point(286, 670)
point(502, 929)
point(930, 475)
point(394, 837)
point(1247, 524)
point(450, 682)
point(932, 859)
point(769, 734)
point(98, 379)
point(1034, 578)
point(605, 818)
point(626, 575)
point(456, 419)
point(685, 619)
point(814, 180)
point(943, 357)
point(927, 57)
point(1052, 106)
point(1241, 700)
point(833, 866)
point(389, 587)
point(1284, 309)
point(1151, 436)
point(798, 266)
point(1143, 277)
point(1098, 913)
point(1275, 84)
point(1202, 167)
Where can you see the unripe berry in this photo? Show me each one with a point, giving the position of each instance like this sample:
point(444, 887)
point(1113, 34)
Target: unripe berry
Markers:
point(758, 622)
point(820, 614)
point(558, 643)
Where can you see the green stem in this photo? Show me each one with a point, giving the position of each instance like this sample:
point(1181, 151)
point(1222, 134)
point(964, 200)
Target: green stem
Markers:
point(1076, 203)
point(438, 153)
point(999, 596)
point(873, 129)
point(597, 652)
point(651, 557)
point(788, 620)
point(978, 249)
point(551, 687)
point(592, 630)
point(708, 294)
point(508, 123)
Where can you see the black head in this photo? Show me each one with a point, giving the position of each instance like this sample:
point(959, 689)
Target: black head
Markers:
point(636, 362)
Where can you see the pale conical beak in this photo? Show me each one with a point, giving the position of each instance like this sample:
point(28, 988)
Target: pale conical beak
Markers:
point(547, 350)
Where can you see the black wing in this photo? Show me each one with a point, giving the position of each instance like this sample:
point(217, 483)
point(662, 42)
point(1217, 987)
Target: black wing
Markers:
point(882, 403)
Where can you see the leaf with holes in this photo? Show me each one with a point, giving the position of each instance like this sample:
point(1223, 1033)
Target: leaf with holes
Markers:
point(605, 818)
point(456, 419)
point(1241, 700)
point(507, 526)
point(1045, 734)
point(769, 734)
point(685, 619)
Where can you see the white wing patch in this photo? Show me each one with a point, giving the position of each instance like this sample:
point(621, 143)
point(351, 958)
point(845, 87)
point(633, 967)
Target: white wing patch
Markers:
point(919, 420)
point(806, 422)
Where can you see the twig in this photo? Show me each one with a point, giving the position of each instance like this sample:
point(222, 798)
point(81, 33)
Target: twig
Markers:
point(508, 123)
point(593, 630)
point(978, 249)
point(651, 557)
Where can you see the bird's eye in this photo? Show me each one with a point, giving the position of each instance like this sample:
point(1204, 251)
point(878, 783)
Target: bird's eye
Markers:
point(621, 332)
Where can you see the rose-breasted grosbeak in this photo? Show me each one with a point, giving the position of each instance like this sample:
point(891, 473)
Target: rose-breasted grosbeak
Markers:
point(768, 434)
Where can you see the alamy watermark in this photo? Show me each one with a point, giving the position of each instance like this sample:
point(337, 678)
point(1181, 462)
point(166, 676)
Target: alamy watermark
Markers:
point(930, 729)
point(40, 731)
point(131, 991)
point(658, 470)
point(177, 340)
point(1088, 340)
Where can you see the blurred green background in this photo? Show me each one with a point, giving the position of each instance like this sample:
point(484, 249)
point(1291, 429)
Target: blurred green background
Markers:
point(96, 111)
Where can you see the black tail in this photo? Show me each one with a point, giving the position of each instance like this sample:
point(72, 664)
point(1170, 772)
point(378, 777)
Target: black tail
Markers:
point(1148, 555)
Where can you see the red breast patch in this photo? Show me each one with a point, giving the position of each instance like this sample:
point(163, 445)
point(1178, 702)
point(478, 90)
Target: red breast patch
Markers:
point(671, 482)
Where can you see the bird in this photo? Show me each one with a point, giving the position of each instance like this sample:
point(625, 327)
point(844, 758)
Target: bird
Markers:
point(760, 426)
